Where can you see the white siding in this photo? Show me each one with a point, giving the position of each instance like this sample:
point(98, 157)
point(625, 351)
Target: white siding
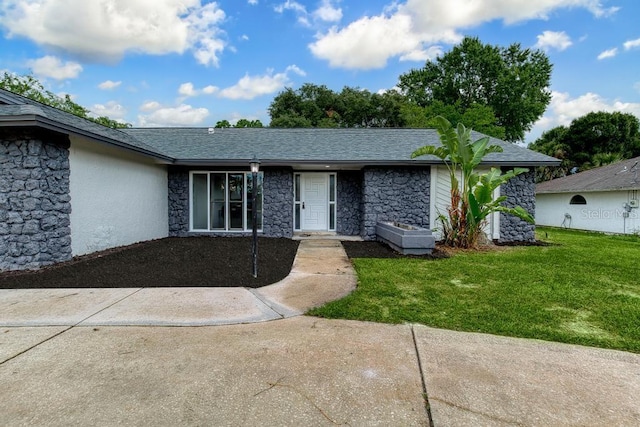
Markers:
point(603, 212)
point(117, 197)
point(441, 200)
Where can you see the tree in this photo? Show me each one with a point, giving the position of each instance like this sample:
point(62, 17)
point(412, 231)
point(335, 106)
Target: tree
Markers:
point(472, 198)
point(221, 124)
point(595, 139)
point(511, 81)
point(30, 87)
point(318, 106)
point(478, 117)
point(244, 123)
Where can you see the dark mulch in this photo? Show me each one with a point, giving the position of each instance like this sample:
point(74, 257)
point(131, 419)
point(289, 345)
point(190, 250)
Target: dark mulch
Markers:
point(170, 262)
point(380, 250)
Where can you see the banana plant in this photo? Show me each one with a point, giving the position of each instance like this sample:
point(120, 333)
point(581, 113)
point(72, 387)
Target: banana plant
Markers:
point(471, 199)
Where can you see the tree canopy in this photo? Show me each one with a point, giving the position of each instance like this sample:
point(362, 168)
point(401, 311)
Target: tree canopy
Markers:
point(30, 87)
point(593, 140)
point(512, 81)
point(318, 106)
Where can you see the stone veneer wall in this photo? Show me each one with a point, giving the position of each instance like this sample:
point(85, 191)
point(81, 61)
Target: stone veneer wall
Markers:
point(520, 190)
point(395, 194)
point(34, 199)
point(178, 179)
point(277, 219)
point(349, 203)
point(277, 199)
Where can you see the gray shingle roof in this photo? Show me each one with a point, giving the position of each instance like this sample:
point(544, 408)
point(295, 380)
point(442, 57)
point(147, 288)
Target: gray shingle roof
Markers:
point(270, 145)
point(624, 175)
point(362, 146)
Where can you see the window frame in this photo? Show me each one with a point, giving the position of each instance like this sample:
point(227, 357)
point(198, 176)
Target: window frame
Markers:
point(227, 202)
point(578, 199)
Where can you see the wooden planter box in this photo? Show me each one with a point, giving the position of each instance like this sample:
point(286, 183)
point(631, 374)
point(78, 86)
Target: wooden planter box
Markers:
point(406, 239)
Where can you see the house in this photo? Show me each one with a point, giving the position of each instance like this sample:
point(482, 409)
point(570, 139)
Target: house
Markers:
point(71, 187)
point(603, 199)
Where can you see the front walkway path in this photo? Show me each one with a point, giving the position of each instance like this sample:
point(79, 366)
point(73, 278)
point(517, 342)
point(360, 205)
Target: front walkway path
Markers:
point(321, 272)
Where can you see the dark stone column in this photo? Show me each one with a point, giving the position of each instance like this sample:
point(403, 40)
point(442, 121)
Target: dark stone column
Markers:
point(35, 204)
point(277, 220)
point(178, 201)
point(349, 203)
point(520, 190)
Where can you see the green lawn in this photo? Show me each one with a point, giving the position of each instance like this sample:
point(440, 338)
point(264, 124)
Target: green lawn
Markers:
point(584, 289)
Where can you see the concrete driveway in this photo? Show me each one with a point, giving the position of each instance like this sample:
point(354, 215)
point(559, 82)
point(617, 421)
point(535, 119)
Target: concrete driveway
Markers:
point(190, 356)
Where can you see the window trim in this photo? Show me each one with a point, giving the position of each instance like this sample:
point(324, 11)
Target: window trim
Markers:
point(227, 201)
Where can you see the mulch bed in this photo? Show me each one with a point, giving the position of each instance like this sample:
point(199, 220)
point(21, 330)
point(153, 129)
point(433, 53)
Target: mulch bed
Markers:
point(169, 262)
point(380, 250)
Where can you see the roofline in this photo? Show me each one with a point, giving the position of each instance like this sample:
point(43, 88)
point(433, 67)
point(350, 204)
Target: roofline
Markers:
point(26, 120)
point(599, 190)
point(289, 162)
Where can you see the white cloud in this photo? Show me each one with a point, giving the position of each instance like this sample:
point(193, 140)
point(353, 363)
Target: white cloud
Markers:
point(108, 85)
point(558, 40)
point(105, 30)
point(609, 53)
point(410, 28)
point(150, 106)
point(244, 37)
point(209, 90)
point(111, 109)
point(187, 90)
point(250, 87)
point(290, 5)
point(182, 115)
point(328, 12)
point(563, 109)
point(630, 44)
point(53, 67)
point(252, 2)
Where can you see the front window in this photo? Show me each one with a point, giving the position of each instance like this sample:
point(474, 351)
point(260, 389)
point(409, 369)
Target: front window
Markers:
point(221, 201)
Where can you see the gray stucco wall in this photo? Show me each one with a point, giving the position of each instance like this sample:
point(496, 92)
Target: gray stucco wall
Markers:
point(521, 191)
point(277, 199)
point(395, 194)
point(349, 203)
point(34, 199)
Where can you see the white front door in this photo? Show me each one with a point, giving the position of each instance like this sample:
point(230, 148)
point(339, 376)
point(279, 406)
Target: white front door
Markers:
point(315, 201)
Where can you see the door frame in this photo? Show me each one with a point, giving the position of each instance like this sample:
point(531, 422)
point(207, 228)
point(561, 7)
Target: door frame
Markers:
point(299, 199)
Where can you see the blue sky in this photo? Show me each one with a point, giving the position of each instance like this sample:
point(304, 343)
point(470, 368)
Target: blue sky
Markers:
point(193, 63)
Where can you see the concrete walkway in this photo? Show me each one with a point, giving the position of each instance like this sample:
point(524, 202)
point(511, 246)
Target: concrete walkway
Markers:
point(321, 272)
point(109, 357)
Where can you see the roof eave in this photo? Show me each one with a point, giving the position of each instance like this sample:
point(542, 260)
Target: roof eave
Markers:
point(588, 190)
point(46, 123)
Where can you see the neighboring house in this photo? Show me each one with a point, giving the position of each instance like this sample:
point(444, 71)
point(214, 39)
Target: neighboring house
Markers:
point(70, 187)
point(602, 199)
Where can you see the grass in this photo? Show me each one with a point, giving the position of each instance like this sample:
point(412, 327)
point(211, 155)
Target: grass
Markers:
point(582, 289)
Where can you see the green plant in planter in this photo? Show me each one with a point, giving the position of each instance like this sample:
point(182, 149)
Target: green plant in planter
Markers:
point(472, 196)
